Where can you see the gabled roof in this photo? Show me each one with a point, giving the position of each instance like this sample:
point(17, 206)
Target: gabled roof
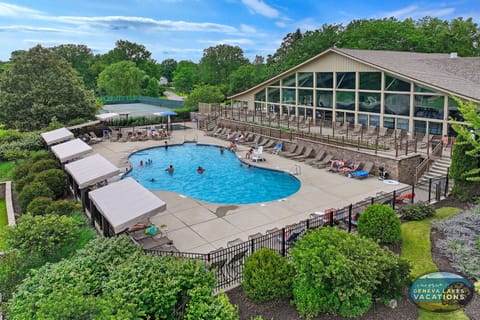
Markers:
point(91, 170)
point(125, 203)
point(56, 136)
point(70, 150)
point(458, 76)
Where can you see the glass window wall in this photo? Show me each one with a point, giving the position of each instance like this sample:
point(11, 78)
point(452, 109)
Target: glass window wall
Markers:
point(395, 84)
point(305, 79)
point(289, 81)
point(374, 120)
point(260, 96)
point(370, 80)
point(402, 124)
point(275, 84)
point(363, 119)
point(420, 126)
point(325, 80)
point(305, 97)
point(369, 102)
point(435, 128)
point(324, 99)
point(273, 94)
point(345, 80)
point(398, 104)
point(453, 112)
point(389, 122)
point(428, 106)
point(288, 96)
point(346, 100)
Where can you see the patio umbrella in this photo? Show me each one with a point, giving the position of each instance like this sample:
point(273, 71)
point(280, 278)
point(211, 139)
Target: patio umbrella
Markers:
point(167, 113)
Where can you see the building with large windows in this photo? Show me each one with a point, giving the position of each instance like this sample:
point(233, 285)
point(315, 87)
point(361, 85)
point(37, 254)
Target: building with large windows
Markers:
point(398, 90)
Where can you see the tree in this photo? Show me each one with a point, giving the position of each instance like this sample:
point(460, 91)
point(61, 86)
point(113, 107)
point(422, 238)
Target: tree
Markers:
point(121, 79)
point(288, 43)
point(40, 85)
point(206, 94)
point(243, 78)
point(167, 68)
point(80, 57)
point(219, 62)
point(185, 76)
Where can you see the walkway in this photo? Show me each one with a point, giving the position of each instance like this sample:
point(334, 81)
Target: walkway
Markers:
point(197, 226)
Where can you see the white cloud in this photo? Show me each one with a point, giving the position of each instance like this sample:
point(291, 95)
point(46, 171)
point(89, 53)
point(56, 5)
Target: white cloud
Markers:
point(261, 8)
point(29, 29)
point(232, 42)
point(415, 12)
point(11, 10)
point(401, 12)
point(247, 29)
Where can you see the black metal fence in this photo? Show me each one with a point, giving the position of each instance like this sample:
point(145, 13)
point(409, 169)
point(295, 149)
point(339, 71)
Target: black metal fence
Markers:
point(228, 262)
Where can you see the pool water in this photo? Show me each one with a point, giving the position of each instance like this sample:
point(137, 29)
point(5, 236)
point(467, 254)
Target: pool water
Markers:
point(226, 179)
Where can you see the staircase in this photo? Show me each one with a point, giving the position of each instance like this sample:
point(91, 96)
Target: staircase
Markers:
point(439, 168)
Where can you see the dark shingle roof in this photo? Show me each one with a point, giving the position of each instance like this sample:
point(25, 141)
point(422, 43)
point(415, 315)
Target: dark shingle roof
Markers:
point(460, 76)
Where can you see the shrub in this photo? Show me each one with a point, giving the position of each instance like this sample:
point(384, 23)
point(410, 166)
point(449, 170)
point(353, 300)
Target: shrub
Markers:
point(22, 182)
point(62, 208)
point(9, 136)
point(380, 223)
point(21, 170)
point(42, 165)
point(32, 191)
point(39, 205)
point(204, 306)
point(338, 272)
point(55, 179)
point(267, 276)
point(30, 141)
point(417, 211)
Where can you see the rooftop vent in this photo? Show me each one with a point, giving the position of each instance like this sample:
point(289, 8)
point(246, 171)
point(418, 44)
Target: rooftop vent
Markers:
point(453, 55)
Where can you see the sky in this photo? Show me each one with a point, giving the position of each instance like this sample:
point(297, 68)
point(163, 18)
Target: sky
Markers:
point(182, 29)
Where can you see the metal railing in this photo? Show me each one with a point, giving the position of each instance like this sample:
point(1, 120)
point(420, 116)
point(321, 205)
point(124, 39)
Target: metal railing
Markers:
point(228, 262)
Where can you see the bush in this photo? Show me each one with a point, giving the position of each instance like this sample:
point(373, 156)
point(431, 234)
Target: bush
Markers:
point(30, 141)
point(338, 272)
point(380, 223)
point(62, 208)
point(267, 276)
point(39, 205)
point(22, 182)
point(55, 179)
point(203, 306)
point(9, 136)
point(417, 211)
point(21, 170)
point(32, 191)
point(42, 165)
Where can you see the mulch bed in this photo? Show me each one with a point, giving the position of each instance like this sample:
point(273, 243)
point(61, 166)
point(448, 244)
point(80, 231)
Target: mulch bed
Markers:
point(405, 310)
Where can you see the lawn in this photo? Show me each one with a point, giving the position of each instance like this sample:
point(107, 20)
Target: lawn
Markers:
point(3, 213)
point(416, 248)
point(6, 169)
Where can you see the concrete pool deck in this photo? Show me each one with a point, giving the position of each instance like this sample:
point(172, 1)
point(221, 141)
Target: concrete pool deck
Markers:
point(197, 226)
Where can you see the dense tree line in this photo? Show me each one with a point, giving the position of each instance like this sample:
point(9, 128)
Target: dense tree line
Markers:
point(129, 69)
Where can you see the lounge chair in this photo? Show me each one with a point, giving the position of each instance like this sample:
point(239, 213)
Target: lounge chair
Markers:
point(220, 132)
point(277, 148)
point(324, 162)
point(319, 156)
point(350, 168)
point(291, 150)
point(212, 132)
point(93, 137)
point(271, 144)
point(405, 198)
point(255, 141)
point(258, 155)
point(337, 165)
point(363, 173)
point(357, 130)
point(371, 131)
point(306, 154)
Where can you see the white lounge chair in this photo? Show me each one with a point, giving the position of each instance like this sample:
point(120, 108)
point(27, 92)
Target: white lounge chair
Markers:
point(258, 155)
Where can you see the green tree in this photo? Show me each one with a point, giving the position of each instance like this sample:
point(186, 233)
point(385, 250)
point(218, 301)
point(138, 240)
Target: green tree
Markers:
point(121, 79)
point(185, 76)
point(219, 62)
point(80, 57)
point(40, 85)
point(167, 68)
point(31, 191)
point(206, 94)
point(379, 222)
point(244, 78)
point(150, 87)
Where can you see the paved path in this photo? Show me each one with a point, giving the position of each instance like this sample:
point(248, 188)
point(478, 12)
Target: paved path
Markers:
point(173, 96)
point(197, 226)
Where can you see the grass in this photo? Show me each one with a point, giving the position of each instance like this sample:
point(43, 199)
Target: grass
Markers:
point(416, 248)
point(3, 213)
point(6, 170)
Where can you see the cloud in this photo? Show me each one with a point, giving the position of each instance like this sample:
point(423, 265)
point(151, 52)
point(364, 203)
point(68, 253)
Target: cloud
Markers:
point(259, 7)
point(232, 42)
point(11, 10)
point(414, 11)
point(29, 29)
point(247, 29)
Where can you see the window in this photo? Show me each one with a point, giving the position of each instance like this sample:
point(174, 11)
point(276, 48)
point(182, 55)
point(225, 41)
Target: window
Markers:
point(374, 121)
point(419, 88)
point(345, 100)
point(305, 97)
point(260, 96)
point(369, 102)
point(273, 94)
point(402, 124)
point(419, 126)
point(288, 96)
point(275, 84)
point(453, 110)
point(435, 128)
point(324, 99)
point(325, 80)
point(345, 80)
point(363, 119)
point(370, 80)
point(289, 81)
point(397, 104)
point(394, 84)
point(305, 79)
point(428, 106)
point(389, 122)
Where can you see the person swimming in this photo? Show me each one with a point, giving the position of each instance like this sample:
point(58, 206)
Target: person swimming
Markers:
point(170, 169)
point(200, 170)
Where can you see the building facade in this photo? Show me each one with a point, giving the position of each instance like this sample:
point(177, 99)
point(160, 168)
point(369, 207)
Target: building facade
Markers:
point(398, 90)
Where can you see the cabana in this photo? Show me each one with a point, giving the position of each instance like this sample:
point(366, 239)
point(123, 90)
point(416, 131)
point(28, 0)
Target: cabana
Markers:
point(57, 136)
point(122, 204)
point(89, 172)
point(70, 150)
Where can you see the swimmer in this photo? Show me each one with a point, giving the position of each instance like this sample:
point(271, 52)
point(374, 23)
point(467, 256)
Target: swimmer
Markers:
point(153, 180)
point(170, 169)
point(222, 149)
point(200, 170)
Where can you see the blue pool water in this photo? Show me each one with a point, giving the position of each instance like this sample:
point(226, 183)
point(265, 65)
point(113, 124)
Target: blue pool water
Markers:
point(224, 180)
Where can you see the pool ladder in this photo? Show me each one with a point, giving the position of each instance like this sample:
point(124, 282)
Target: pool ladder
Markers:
point(296, 170)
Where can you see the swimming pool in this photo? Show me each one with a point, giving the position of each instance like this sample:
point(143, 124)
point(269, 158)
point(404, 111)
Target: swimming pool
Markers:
point(226, 179)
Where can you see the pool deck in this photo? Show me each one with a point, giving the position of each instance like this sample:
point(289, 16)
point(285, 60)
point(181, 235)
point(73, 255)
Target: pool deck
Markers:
point(197, 226)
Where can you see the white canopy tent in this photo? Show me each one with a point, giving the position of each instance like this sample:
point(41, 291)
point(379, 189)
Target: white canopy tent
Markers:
point(125, 203)
point(70, 150)
point(56, 136)
point(91, 170)
point(107, 116)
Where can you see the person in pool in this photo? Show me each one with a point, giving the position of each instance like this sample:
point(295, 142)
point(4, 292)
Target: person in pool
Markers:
point(170, 169)
point(200, 169)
